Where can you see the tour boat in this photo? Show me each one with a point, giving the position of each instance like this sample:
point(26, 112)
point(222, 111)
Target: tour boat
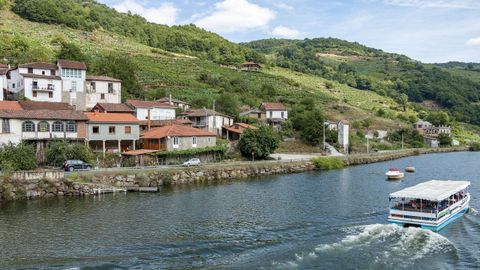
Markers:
point(430, 205)
point(394, 173)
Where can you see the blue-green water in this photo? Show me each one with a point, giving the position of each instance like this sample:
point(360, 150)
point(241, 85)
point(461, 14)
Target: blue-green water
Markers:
point(317, 220)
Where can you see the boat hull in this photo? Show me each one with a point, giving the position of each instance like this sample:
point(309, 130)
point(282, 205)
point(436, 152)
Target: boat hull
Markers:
point(433, 226)
point(394, 176)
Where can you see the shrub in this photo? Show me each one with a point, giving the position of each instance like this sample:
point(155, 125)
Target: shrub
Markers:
point(261, 142)
point(328, 163)
point(474, 146)
point(17, 157)
point(59, 151)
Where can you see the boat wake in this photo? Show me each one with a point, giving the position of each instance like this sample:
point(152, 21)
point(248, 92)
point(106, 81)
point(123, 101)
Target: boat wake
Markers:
point(374, 246)
point(473, 212)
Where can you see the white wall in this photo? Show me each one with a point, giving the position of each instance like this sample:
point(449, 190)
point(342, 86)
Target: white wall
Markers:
point(15, 83)
point(155, 113)
point(3, 81)
point(216, 126)
point(343, 134)
point(101, 87)
point(43, 95)
point(277, 114)
point(69, 82)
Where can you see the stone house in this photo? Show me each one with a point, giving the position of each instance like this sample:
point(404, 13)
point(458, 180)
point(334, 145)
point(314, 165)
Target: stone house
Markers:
point(112, 132)
point(273, 113)
point(177, 137)
point(208, 120)
point(184, 106)
point(428, 130)
point(250, 66)
point(235, 131)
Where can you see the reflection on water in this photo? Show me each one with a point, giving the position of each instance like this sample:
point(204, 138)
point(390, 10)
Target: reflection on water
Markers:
point(317, 220)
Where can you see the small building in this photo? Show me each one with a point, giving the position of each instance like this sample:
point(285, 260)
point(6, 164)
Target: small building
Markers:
point(331, 125)
point(152, 110)
point(343, 134)
point(177, 137)
point(208, 120)
point(73, 76)
point(273, 113)
point(103, 89)
point(428, 130)
point(254, 113)
point(29, 121)
point(113, 108)
point(176, 102)
point(146, 125)
point(112, 132)
point(250, 66)
point(421, 126)
point(235, 131)
point(36, 81)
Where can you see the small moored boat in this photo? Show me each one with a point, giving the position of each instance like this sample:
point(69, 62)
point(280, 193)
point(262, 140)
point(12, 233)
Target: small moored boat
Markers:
point(430, 205)
point(394, 173)
point(410, 169)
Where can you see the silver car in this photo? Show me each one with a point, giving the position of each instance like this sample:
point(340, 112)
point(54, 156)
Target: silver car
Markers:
point(191, 162)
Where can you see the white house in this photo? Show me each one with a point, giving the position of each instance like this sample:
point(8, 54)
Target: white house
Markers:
point(343, 134)
point(173, 101)
point(102, 89)
point(156, 110)
point(73, 76)
point(274, 111)
point(208, 120)
point(36, 81)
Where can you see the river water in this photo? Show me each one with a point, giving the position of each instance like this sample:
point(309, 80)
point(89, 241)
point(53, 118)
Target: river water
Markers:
point(316, 220)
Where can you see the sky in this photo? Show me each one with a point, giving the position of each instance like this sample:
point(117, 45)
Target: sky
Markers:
point(425, 30)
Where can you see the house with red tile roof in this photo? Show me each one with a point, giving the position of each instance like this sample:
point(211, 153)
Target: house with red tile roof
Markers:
point(235, 131)
point(177, 137)
point(152, 110)
point(112, 132)
point(112, 108)
point(273, 113)
point(177, 102)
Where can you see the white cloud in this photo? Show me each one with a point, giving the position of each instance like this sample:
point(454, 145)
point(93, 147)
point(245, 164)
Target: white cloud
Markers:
point(467, 4)
point(166, 13)
point(286, 32)
point(282, 5)
point(231, 16)
point(473, 42)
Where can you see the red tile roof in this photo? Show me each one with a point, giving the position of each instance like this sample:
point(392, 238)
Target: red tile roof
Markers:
point(39, 76)
point(3, 66)
point(43, 115)
point(3, 71)
point(113, 107)
point(273, 106)
point(176, 131)
point(44, 105)
point(139, 152)
point(238, 127)
point(148, 104)
point(102, 78)
point(71, 64)
point(39, 65)
point(161, 123)
point(10, 105)
point(111, 118)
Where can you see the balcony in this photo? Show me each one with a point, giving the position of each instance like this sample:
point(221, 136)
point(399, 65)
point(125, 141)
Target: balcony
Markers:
point(48, 135)
point(199, 124)
point(47, 88)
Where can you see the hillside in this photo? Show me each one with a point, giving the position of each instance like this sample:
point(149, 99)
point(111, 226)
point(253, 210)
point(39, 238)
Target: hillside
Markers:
point(387, 74)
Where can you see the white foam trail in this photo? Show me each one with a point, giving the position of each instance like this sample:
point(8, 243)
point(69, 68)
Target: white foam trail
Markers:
point(473, 212)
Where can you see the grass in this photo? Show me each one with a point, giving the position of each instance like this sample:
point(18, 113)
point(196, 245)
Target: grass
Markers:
point(328, 163)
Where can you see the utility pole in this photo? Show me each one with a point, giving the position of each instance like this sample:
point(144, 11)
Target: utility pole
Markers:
point(214, 117)
point(402, 139)
point(368, 148)
point(324, 147)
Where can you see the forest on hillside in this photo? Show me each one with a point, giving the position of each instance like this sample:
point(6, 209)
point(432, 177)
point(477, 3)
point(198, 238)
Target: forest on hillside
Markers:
point(388, 74)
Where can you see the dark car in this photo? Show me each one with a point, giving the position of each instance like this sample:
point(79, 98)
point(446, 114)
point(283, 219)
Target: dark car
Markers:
point(76, 165)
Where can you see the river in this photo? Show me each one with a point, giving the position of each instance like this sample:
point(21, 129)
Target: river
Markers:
point(315, 220)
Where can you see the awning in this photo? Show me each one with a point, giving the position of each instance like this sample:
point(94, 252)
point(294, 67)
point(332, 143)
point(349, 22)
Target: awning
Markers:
point(433, 190)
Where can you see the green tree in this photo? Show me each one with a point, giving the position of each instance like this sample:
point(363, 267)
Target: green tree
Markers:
point(438, 118)
point(445, 139)
point(70, 51)
point(402, 100)
point(61, 150)
point(17, 157)
point(260, 142)
point(228, 104)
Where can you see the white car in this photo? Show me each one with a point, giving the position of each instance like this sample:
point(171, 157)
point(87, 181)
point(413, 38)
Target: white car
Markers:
point(192, 162)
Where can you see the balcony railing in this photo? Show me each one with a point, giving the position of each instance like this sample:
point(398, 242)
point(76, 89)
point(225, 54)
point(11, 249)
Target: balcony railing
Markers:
point(199, 124)
point(38, 135)
point(43, 88)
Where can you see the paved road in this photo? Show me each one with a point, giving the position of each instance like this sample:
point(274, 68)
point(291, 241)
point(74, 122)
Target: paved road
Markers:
point(294, 157)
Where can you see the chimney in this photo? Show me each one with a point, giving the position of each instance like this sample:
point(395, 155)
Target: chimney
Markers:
point(148, 120)
point(170, 99)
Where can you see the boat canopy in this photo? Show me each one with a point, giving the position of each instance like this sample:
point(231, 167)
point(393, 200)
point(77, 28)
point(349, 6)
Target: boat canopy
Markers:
point(433, 190)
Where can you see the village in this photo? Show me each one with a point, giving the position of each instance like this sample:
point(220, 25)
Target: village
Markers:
point(44, 102)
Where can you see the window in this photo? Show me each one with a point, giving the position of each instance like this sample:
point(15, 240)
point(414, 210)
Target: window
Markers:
point(43, 126)
point(35, 85)
point(71, 126)
point(94, 86)
point(209, 139)
point(43, 72)
point(128, 130)
point(175, 140)
point(74, 86)
point(102, 96)
point(110, 88)
point(283, 114)
point(52, 72)
point(57, 127)
point(28, 126)
point(34, 93)
point(13, 85)
point(50, 94)
point(50, 87)
point(111, 130)
point(5, 126)
point(30, 70)
point(194, 140)
point(95, 130)
point(271, 114)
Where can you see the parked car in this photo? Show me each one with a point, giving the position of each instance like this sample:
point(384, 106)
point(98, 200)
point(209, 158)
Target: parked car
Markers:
point(192, 162)
point(76, 165)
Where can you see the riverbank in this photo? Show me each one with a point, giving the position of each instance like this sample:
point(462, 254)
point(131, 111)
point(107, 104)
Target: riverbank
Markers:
point(30, 185)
